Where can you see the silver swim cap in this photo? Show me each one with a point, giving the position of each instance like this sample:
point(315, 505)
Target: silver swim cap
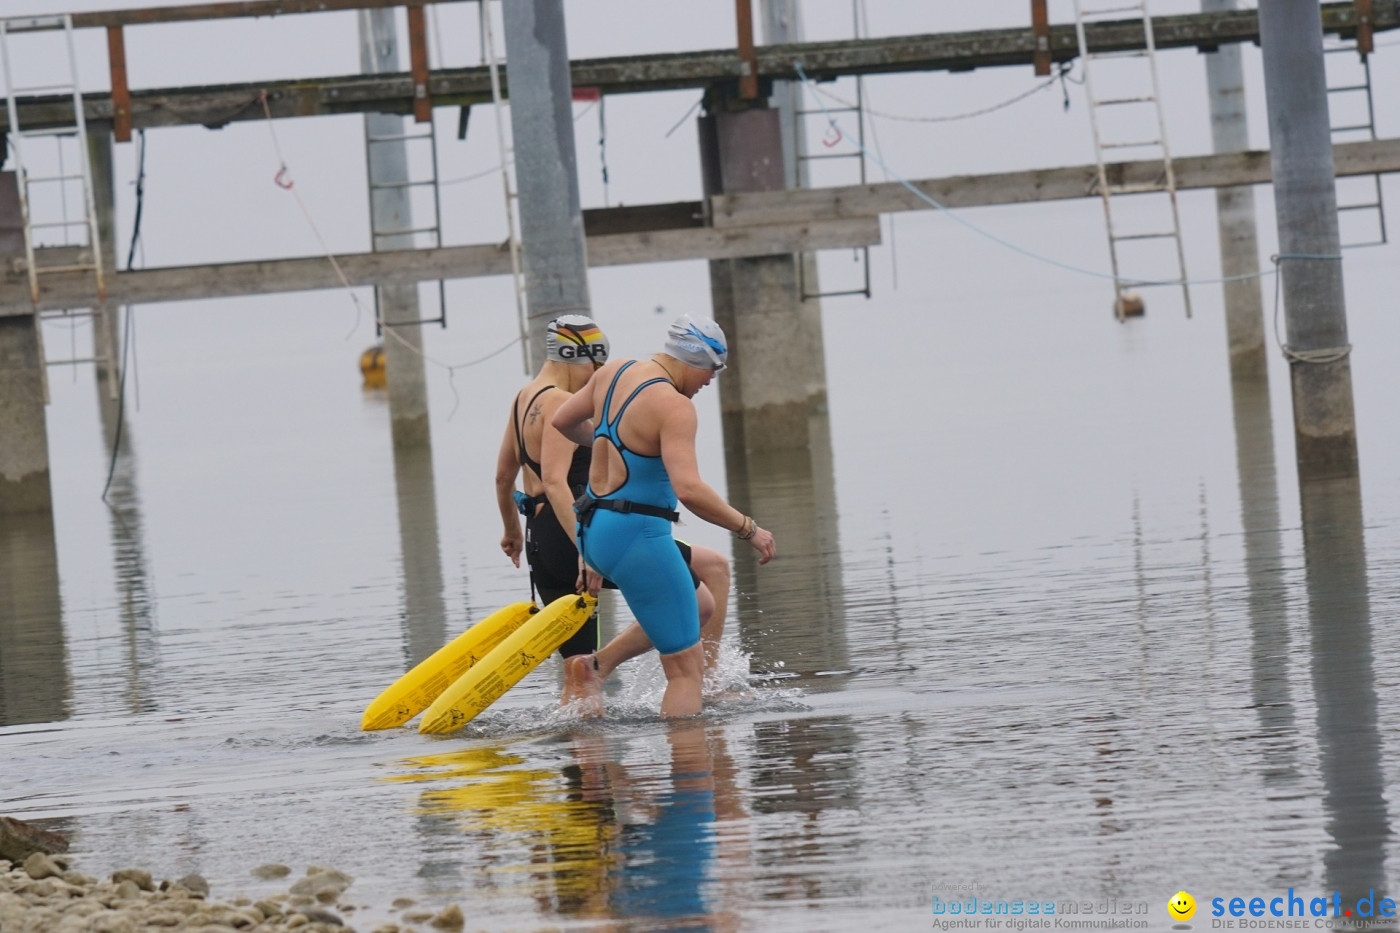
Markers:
point(699, 343)
point(573, 338)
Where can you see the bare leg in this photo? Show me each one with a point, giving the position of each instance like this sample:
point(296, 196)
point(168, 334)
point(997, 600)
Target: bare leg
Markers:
point(685, 673)
point(583, 686)
point(631, 642)
point(712, 568)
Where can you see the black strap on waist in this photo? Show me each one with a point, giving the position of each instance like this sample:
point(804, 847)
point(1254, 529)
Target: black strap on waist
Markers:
point(585, 505)
point(528, 504)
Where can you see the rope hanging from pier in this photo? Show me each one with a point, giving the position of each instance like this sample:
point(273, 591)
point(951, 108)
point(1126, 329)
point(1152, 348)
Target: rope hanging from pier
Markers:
point(1319, 355)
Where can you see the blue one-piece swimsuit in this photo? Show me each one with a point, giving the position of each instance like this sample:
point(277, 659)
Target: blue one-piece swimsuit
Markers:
point(637, 551)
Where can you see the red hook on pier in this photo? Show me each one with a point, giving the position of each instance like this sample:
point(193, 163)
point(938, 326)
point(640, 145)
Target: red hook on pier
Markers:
point(282, 180)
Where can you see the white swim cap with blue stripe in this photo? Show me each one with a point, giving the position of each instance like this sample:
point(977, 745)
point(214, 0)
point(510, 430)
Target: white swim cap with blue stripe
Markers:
point(697, 342)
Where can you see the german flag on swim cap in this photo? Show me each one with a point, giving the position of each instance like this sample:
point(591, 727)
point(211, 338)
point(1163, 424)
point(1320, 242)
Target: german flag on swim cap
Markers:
point(573, 338)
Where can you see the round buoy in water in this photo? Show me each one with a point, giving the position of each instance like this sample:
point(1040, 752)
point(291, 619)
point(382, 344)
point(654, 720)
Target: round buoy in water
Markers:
point(1129, 304)
point(372, 367)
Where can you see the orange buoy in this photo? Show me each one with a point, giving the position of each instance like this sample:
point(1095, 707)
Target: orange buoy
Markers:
point(372, 367)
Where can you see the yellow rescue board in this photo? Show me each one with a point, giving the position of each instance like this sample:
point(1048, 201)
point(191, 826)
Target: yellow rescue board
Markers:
point(511, 660)
point(415, 691)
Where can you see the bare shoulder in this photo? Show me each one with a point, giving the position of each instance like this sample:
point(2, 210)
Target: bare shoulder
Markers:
point(677, 410)
point(604, 375)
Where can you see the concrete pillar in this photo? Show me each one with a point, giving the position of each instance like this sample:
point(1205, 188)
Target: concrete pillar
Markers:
point(390, 209)
point(546, 167)
point(24, 437)
point(782, 23)
point(142, 641)
point(791, 494)
point(34, 684)
point(1265, 579)
point(105, 343)
point(1300, 143)
point(1343, 675)
point(1234, 208)
point(424, 615)
point(767, 403)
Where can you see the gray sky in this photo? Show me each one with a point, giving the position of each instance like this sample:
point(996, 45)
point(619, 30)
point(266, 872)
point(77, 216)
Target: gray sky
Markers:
point(980, 310)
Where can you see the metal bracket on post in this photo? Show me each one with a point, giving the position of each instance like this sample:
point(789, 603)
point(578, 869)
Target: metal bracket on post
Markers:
point(121, 93)
point(418, 64)
point(1040, 31)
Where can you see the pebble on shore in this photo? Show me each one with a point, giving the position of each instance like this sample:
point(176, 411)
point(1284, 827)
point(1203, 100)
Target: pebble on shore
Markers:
point(44, 895)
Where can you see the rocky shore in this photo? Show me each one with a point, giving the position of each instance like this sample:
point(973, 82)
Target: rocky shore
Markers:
point(45, 894)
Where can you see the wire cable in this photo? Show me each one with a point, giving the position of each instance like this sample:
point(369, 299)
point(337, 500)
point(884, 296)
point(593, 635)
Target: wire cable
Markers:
point(949, 118)
point(1016, 248)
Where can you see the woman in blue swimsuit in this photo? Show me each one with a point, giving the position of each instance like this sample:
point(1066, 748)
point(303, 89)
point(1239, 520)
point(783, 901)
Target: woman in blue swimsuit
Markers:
point(639, 419)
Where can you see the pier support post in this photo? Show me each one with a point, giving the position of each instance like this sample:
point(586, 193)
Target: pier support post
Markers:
point(34, 682)
point(1300, 143)
point(546, 167)
point(777, 376)
point(1234, 209)
point(390, 209)
point(105, 344)
point(782, 24)
point(24, 438)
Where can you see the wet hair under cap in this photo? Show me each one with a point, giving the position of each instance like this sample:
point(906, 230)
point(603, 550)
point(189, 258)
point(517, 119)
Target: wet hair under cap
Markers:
point(573, 338)
point(697, 342)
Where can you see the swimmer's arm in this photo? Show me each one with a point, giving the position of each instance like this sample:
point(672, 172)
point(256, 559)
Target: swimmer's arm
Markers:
point(678, 424)
point(507, 468)
point(556, 454)
point(574, 418)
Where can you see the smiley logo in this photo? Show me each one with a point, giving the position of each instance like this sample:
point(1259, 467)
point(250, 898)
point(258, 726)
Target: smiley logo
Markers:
point(1182, 906)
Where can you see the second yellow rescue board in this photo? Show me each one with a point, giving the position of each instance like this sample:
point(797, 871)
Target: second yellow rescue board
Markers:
point(508, 662)
point(415, 691)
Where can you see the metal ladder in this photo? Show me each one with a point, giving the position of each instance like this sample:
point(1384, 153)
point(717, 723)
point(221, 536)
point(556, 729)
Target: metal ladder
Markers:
point(1165, 182)
point(45, 212)
point(1372, 199)
point(387, 238)
point(488, 49)
point(802, 157)
point(26, 145)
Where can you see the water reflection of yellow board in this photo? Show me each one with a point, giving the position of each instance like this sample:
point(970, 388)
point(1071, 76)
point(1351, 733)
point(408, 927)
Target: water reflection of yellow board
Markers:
point(509, 661)
point(415, 691)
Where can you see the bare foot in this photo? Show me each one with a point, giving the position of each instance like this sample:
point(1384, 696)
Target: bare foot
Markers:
point(583, 686)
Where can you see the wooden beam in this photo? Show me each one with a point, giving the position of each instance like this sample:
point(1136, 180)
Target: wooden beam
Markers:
point(226, 280)
point(754, 224)
point(215, 106)
point(741, 211)
point(249, 8)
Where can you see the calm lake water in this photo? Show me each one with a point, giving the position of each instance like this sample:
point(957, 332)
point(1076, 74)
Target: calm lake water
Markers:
point(1053, 622)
